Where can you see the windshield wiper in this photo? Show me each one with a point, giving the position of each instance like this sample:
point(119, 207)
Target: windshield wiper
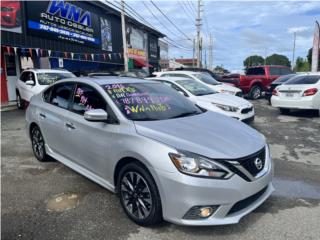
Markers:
point(146, 119)
point(186, 114)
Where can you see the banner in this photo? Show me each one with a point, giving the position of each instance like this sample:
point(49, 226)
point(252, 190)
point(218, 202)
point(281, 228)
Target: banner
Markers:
point(315, 49)
point(11, 16)
point(106, 37)
point(137, 43)
point(63, 20)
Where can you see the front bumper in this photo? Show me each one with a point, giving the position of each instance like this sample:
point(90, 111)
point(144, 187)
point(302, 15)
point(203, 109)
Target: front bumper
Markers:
point(307, 102)
point(180, 192)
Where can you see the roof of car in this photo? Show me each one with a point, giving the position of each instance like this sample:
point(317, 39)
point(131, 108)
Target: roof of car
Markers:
point(110, 80)
point(169, 79)
point(47, 70)
point(186, 72)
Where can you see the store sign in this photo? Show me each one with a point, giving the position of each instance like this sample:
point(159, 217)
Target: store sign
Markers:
point(137, 43)
point(64, 21)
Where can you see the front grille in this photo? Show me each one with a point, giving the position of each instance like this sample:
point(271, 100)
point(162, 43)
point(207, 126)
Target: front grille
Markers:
point(246, 202)
point(246, 110)
point(250, 163)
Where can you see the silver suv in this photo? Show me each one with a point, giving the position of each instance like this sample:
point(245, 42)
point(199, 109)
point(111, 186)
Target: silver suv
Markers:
point(164, 156)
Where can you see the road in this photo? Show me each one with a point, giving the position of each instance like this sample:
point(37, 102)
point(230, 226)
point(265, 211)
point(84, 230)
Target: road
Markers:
point(50, 201)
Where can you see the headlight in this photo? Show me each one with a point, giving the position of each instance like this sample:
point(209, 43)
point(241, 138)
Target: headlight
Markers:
point(227, 91)
point(199, 166)
point(226, 107)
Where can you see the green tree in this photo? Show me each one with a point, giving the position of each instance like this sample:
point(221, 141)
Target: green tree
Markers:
point(302, 65)
point(220, 69)
point(277, 59)
point(253, 60)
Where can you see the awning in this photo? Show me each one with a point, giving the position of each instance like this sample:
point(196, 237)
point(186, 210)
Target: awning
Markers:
point(141, 63)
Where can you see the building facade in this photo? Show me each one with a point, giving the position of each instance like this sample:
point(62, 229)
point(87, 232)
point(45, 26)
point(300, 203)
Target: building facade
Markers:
point(80, 36)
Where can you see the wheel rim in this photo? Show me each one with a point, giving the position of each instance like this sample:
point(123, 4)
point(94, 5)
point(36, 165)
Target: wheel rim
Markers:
point(37, 143)
point(136, 195)
point(256, 93)
point(18, 101)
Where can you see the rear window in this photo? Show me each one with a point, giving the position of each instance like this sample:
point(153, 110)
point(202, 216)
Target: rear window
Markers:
point(255, 71)
point(303, 80)
point(51, 77)
point(283, 79)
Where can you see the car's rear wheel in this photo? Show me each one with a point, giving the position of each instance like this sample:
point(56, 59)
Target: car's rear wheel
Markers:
point(255, 92)
point(284, 110)
point(38, 144)
point(20, 102)
point(139, 195)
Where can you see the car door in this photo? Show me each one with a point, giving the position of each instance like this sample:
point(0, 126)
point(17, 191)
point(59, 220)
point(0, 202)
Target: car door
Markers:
point(52, 115)
point(21, 84)
point(89, 142)
point(27, 91)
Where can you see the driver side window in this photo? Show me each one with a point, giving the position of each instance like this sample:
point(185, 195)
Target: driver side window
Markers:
point(87, 98)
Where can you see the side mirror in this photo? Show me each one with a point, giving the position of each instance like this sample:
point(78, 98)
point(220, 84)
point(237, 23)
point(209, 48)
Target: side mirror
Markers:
point(96, 115)
point(30, 82)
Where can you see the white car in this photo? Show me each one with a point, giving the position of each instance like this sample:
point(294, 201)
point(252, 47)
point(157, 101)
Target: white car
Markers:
point(204, 78)
point(33, 81)
point(209, 99)
point(300, 92)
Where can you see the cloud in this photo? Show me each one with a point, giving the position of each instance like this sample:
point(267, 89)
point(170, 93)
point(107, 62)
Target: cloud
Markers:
point(299, 29)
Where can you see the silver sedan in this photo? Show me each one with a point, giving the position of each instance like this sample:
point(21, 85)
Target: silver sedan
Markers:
point(165, 157)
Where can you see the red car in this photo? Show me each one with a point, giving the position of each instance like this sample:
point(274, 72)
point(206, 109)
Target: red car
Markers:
point(257, 79)
point(10, 14)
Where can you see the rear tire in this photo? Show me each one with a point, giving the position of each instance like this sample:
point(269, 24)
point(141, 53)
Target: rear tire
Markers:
point(284, 110)
point(139, 195)
point(38, 144)
point(20, 102)
point(255, 92)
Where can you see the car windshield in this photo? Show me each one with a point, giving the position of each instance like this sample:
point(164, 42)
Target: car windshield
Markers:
point(206, 78)
point(50, 77)
point(311, 79)
point(149, 101)
point(196, 88)
point(283, 79)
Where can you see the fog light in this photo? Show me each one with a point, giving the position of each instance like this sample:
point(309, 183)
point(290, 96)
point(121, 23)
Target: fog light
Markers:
point(200, 212)
point(205, 212)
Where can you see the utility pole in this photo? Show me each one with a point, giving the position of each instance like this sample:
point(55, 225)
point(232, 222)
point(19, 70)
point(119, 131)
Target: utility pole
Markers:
point(294, 49)
point(193, 51)
point(124, 37)
point(210, 52)
point(198, 26)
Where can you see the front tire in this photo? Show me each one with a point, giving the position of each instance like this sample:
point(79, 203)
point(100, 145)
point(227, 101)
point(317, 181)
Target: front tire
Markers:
point(38, 144)
point(20, 102)
point(255, 92)
point(139, 195)
point(284, 110)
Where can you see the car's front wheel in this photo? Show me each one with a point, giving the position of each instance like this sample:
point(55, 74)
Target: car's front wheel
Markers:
point(38, 144)
point(255, 92)
point(139, 195)
point(20, 102)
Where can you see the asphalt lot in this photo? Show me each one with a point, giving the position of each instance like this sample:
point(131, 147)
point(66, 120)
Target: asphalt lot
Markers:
point(50, 201)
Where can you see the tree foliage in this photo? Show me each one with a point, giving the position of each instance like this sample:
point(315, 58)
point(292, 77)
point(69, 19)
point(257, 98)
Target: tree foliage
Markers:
point(302, 65)
point(254, 60)
point(277, 59)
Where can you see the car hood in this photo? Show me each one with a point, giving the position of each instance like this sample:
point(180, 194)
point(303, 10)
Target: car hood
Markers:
point(225, 99)
point(227, 88)
point(209, 134)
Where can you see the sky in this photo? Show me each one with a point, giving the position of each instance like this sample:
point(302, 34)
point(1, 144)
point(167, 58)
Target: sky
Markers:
point(239, 28)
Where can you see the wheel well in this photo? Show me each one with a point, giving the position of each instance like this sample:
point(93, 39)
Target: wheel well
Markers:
point(257, 84)
point(124, 161)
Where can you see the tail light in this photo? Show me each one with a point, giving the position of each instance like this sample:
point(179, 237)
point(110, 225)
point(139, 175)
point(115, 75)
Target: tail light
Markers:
point(310, 92)
point(274, 92)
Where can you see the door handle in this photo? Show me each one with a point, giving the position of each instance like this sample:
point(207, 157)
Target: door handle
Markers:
point(70, 125)
point(42, 115)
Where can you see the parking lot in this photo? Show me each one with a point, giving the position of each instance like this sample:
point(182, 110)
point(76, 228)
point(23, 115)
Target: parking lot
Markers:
point(50, 201)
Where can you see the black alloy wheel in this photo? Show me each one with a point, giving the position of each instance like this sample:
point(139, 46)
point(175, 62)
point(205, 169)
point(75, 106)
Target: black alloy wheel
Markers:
point(139, 195)
point(38, 144)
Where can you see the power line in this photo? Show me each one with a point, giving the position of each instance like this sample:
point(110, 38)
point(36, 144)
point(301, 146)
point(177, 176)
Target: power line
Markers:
point(170, 20)
point(193, 8)
point(186, 9)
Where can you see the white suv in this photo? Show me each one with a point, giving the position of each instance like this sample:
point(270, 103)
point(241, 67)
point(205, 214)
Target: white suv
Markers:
point(33, 81)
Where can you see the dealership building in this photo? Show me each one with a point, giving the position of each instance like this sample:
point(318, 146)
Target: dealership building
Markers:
point(80, 36)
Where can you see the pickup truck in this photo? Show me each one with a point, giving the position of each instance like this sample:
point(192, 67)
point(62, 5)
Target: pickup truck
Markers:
point(257, 79)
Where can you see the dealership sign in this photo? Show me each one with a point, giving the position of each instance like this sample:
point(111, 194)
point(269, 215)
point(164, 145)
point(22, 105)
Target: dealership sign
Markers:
point(64, 21)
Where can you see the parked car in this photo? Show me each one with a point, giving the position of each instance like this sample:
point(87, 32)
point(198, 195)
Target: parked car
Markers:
point(164, 156)
point(300, 92)
point(258, 79)
point(10, 14)
point(276, 83)
point(207, 98)
point(216, 76)
point(204, 78)
point(33, 81)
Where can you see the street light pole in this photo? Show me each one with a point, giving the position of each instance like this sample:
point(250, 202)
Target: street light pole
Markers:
point(198, 25)
point(124, 37)
point(294, 49)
